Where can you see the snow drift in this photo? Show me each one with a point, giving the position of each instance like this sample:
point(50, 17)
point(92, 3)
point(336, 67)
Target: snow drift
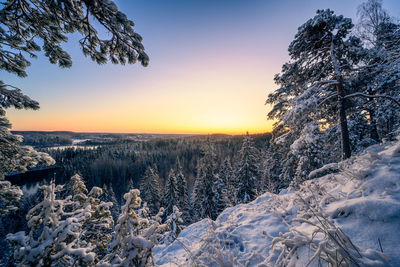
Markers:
point(350, 216)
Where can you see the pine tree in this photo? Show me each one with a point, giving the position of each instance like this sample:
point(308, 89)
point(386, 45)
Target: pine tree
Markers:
point(79, 191)
point(9, 196)
point(203, 200)
point(221, 198)
point(51, 239)
point(195, 211)
point(322, 56)
point(378, 80)
point(150, 190)
point(227, 175)
point(133, 238)
point(170, 198)
point(13, 156)
point(247, 174)
point(96, 229)
point(308, 152)
point(182, 192)
point(173, 223)
point(25, 25)
point(109, 196)
point(271, 170)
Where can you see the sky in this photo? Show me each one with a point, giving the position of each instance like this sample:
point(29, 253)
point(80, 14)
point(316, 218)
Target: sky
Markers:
point(212, 64)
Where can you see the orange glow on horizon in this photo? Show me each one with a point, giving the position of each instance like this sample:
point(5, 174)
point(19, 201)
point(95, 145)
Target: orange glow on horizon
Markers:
point(195, 99)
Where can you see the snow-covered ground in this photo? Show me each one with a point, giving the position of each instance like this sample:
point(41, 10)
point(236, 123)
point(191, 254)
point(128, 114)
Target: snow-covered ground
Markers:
point(361, 200)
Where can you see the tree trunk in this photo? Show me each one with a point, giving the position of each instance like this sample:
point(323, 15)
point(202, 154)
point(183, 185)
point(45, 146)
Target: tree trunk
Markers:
point(371, 112)
point(344, 131)
point(374, 130)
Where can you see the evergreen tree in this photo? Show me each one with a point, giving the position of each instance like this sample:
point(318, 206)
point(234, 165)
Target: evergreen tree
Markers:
point(52, 239)
point(271, 170)
point(173, 223)
point(79, 191)
point(247, 175)
point(378, 82)
point(322, 56)
point(221, 199)
point(204, 204)
point(133, 238)
point(227, 175)
point(195, 211)
point(150, 190)
point(9, 196)
point(308, 152)
point(96, 229)
point(182, 192)
point(26, 24)
point(109, 196)
point(171, 193)
point(14, 156)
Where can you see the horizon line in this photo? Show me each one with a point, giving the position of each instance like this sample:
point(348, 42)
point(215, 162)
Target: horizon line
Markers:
point(142, 133)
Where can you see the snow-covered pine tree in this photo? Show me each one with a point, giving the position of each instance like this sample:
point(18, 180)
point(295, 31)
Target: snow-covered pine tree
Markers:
point(109, 196)
point(388, 80)
point(9, 196)
point(227, 175)
point(34, 249)
point(173, 222)
point(53, 235)
point(13, 156)
point(97, 227)
point(203, 199)
point(150, 190)
point(195, 197)
point(314, 84)
point(271, 169)
point(79, 191)
point(69, 247)
point(221, 199)
point(132, 244)
point(26, 24)
point(248, 173)
point(182, 192)
point(378, 78)
point(308, 152)
point(170, 198)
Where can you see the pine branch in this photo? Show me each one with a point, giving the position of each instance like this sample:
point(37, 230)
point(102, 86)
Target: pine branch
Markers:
point(373, 96)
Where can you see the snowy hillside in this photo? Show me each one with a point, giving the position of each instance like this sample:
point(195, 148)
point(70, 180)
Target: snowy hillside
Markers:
point(360, 198)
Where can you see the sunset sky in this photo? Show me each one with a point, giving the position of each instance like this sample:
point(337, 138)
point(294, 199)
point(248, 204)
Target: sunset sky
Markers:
point(211, 68)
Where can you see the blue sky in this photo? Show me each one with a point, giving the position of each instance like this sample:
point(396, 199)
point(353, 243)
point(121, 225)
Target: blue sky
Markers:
point(211, 68)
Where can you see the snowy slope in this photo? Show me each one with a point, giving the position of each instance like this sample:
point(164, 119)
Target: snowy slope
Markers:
point(361, 200)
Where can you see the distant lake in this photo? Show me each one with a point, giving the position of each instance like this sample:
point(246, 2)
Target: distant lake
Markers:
point(73, 147)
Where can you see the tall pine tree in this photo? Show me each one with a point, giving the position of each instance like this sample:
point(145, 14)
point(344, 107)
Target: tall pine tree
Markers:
point(247, 174)
point(170, 198)
point(204, 195)
point(150, 190)
point(182, 192)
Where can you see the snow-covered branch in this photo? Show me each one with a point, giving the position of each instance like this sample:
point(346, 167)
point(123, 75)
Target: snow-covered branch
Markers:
point(373, 96)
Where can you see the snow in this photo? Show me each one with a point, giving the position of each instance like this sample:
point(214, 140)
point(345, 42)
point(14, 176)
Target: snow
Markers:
point(360, 199)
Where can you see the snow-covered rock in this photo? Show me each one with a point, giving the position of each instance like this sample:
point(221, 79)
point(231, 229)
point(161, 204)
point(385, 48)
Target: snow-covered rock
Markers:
point(349, 215)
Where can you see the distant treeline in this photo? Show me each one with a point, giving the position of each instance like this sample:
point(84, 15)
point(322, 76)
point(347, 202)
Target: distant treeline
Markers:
point(123, 164)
